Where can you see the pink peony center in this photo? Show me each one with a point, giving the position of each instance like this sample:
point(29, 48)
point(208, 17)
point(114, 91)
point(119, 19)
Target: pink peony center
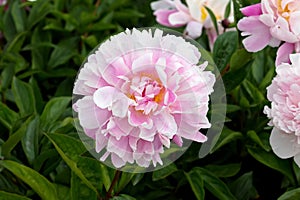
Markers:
point(283, 11)
point(147, 93)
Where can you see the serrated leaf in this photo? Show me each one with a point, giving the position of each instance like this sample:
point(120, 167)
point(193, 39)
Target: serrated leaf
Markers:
point(36, 181)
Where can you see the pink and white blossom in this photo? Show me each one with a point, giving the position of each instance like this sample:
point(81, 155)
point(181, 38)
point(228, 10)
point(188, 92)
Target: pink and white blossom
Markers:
point(284, 94)
point(173, 13)
point(140, 91)
point(272, 23)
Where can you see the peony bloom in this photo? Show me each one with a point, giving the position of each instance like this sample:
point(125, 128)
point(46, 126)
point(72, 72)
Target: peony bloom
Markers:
point(140, 91)
point(272, 22)
point(3, 2)
point(195, 16)
point(284, 94)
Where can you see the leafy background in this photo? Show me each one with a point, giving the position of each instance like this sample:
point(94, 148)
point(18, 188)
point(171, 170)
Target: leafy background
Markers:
point(42, 46)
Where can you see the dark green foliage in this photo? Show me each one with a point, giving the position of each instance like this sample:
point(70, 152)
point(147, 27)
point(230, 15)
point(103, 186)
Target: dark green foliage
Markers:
point(42, 46)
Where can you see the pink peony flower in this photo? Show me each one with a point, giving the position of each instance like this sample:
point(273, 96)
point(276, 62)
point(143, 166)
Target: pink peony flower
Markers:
point(272, 22)
point(140, 92)
point(194, 16)
point(284, 94)
point(3, 2)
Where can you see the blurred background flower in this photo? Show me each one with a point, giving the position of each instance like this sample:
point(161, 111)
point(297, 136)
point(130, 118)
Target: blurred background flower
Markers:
point(195, 16)
point(273, 23)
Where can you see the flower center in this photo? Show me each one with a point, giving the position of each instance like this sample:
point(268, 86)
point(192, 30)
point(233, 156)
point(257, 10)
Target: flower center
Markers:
point(147, 94)
point(284, 12)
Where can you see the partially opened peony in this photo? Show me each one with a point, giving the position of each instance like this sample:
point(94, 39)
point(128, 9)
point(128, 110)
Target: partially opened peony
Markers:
point(284, 94)
point(140, 91)
point(273, 23)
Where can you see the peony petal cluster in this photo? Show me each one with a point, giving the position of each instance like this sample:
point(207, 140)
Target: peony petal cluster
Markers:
point(284, 94)
point(140, 91)
point(274, 23)
point(173, 13)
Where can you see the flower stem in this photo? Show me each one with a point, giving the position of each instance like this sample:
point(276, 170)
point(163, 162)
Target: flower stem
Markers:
point(112, 185)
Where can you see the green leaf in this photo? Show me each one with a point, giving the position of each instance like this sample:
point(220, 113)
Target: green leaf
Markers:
point(60, 55)
point(10, 30)
point(224, 171)
point(196, 182)
point(239, 59)
point(228, 9)
point(24, 97)
point(16, 44)
point(243, 187)
point(30, 139)
point(79, 190)
point(38, 12)
point(18, 16)
point(164, 172)
point(213, 18)
point(7, 76)
point(224, 47)
point(39, 103)
point(11, 196)
point(69, 149)
point(63, 192)
point(255, 138)
point(290, 195)
point(123, 181)
point(253, 92)
point(137, 178)
point(53, 110)
point(217, 187)
point(7, 116)
point(36, 181)
point(234, 78)
point(14, 139)
point(226, 137)
point(92, 170)
point(272, 161)
point(123, 197)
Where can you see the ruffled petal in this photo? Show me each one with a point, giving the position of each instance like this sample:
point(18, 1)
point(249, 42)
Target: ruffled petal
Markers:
point(284, 145)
